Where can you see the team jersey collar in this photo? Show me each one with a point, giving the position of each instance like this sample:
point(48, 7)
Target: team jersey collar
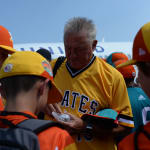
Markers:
point(74, 72)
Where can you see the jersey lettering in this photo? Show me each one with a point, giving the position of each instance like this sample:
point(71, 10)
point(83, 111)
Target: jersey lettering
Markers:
point(65, 100)
point(87, 137)
point(145, 111)
point(93, 106)
point(82, 100)
point(74, 94)
point(82, 103)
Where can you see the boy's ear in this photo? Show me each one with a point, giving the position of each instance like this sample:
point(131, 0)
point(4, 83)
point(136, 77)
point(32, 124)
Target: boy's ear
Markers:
point(42, 86)
point(0, 88)
point(2, 91)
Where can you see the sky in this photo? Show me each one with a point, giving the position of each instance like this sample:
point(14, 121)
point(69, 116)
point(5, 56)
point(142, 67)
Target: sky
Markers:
point(37, 21)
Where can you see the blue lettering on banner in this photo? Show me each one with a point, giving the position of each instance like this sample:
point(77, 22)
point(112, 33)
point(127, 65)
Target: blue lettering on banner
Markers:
point(99, 49)
point(22, 49)
point(32, 49)
point(60, 50)
point(51, 50)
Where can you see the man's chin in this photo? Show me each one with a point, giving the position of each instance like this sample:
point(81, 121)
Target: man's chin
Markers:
point(76, 67)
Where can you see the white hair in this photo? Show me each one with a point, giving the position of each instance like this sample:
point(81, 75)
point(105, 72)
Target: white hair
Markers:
point(80, 24)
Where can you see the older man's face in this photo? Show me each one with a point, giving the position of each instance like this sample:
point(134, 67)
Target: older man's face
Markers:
point(79, 50)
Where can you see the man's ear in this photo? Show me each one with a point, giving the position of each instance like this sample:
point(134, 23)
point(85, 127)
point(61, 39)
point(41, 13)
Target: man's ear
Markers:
point(94, 44)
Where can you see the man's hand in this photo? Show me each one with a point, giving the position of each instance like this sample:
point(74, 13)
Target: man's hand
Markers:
point(75, 125)
point(52, 108)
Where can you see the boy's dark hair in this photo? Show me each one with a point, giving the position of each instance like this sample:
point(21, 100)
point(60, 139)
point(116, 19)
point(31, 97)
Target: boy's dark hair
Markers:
point(128, 80)
point(45, 53)
point(11, 86)
point(144, 67)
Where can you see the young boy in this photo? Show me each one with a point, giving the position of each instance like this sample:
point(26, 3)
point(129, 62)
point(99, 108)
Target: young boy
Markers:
point(27, 85)
point(6, 47)
point(141, 57)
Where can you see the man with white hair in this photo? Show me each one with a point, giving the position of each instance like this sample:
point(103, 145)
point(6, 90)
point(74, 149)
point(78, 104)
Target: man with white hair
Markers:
point(89, 85)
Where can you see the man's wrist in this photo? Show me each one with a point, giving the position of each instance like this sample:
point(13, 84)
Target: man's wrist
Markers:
point(82, 127)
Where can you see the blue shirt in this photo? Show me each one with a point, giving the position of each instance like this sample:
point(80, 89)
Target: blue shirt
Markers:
point(140, 104)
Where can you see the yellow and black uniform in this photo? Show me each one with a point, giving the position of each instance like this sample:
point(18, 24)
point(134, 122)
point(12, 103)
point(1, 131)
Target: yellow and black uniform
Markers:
point(95, 87)
point(53, 138)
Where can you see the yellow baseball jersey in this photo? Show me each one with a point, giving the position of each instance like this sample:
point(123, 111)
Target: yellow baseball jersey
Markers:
point(95, 87)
